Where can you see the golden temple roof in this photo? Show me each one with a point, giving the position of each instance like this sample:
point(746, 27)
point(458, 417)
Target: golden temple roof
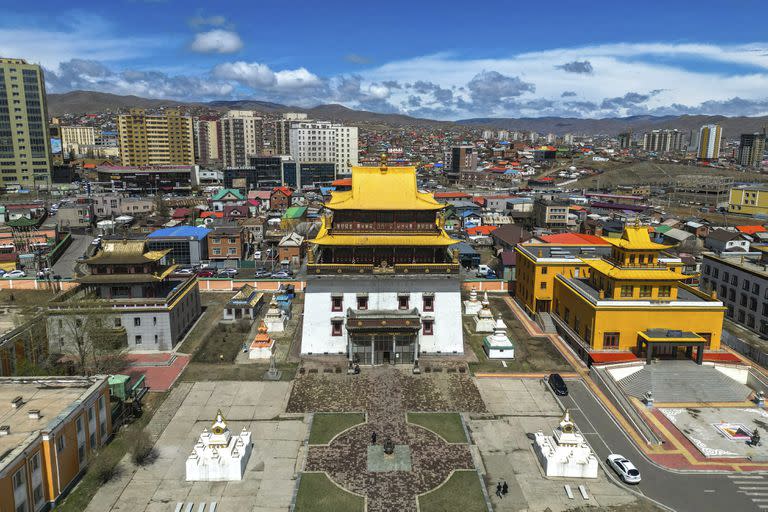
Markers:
point(636, 238)
point(633, 274)
point(383, 188)
point(117, 252)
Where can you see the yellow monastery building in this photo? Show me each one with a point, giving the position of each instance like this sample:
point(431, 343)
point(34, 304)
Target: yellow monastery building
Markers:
point(50, 429)
point(618, 295)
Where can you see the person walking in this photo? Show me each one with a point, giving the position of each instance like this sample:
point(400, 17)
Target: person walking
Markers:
point(373, 438)
point(504, 488)
point(498, 490)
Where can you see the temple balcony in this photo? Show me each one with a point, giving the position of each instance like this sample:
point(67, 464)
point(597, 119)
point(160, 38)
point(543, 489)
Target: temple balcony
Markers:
point(355, 227)
point(370, 268)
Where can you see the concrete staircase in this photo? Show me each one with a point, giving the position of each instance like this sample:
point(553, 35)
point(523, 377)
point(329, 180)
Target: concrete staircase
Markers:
point(545, 322)
point(684, 381)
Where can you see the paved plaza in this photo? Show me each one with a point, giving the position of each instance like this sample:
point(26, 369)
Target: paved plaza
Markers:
point(269, 478)
point(722, 431)
point(522, 407)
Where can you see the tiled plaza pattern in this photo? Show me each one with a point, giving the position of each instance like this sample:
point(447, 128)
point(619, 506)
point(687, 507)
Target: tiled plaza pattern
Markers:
point(387, 394)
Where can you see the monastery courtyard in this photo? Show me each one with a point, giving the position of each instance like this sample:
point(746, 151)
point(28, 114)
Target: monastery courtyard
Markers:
point(471, 434)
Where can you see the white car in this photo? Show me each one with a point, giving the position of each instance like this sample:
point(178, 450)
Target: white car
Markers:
point(15, 273)
point(185, 271)
point(624, 468)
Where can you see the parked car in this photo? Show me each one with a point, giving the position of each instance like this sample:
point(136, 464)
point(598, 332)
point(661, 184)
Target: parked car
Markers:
point(96, 241)
point(281, 275)
point(490, 275)
point(184, 271)
point(624, 468)
point(228, 272)
point(261, 274)
point(557, 384)
point(257, 255)
point(2, 272)
point(14, 274)
point(205, 273)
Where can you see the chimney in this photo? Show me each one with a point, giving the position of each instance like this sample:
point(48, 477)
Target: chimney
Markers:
point(34, 414)
point(5, 430)
point(17, 402)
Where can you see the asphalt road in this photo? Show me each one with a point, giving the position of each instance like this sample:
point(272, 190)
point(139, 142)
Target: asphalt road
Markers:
point(681, 492)
point(65, 266)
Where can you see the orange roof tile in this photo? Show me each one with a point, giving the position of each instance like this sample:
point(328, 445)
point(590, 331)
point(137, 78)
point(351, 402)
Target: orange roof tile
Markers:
point(751, 230)
point(573, 239)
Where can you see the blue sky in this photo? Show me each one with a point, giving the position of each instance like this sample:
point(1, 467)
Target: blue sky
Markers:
point(445, 60)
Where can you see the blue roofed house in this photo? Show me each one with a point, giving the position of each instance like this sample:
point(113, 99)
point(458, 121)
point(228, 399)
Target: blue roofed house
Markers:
point(188, 244)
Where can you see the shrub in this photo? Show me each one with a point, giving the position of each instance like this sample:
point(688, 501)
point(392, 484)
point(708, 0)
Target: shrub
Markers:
point(141, 447)
point(103, 469)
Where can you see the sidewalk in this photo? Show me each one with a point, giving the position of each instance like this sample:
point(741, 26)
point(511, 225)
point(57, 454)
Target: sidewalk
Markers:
point(676, 452)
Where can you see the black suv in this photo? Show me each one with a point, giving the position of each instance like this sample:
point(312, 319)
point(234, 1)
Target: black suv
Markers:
point(557, 384)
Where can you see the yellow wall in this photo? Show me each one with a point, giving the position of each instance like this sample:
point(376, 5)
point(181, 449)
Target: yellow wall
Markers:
point(628, 321)
point(531, 275)
point(748, 201)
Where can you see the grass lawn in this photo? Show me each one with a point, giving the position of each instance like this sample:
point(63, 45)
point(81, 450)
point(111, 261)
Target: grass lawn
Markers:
point(318, 494)
point(325, 426)
point(81, 495)
point(461, 492)
point(26, 297)
point(195, 371)
point(445, 424)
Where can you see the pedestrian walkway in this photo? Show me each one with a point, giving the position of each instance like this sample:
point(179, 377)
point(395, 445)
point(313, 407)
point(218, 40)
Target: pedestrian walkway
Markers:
point(755, 486)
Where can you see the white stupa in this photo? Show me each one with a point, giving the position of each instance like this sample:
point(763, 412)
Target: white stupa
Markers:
point(275, 318)
point(484, 321)
point(472, 306)
point(498, 345)
point(565, 453)
point(218, 455)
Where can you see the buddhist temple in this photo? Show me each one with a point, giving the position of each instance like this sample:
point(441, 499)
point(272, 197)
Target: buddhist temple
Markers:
point(135, 293)
point(382, 281)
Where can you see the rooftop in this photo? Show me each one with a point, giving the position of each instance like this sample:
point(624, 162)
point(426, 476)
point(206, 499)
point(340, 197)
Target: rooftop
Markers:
point(636, 238)
point(195, 232)
point(586, 289)
point(54, 397)
point(383, 188)
point(125, 252)
point(753, 262)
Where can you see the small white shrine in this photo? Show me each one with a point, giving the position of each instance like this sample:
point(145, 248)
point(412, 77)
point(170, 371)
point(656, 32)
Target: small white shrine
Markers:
point(219, 456)
point(275, 318)
point(498, 345)
point(565, 453)
point(261, 346)
point(484, 321)
point(472, 306)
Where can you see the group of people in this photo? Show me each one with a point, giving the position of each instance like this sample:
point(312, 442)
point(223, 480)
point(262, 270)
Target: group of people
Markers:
point(502, 489)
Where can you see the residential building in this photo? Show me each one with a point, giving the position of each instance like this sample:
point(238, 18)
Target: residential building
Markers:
point(226, 243)
point(751, 149)
point(207, 143)
point(280, 198)
point(113, 205)
point(663, 141)
point(741, 283)
point(627, 297)
point(625, 140)
point(76, 215)
point(459, 159)
point(721, 240)
point(289, 249)
point(308, 174)
point(261, 171)
point(133, 291)
point(382, 284)
point(709, 142)
point(227, 197)
point(155, 139)
point(242, 136)
point(52, 428)
point(282, 132)
point(324, 142)
point(140, 179)
point(25, 153)
point(188, 244)
point(74, 138)
point(748, 200)
point(553, 215)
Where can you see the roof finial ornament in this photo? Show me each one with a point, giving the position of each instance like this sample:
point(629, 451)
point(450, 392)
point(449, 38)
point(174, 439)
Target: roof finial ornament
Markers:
point(383, 165)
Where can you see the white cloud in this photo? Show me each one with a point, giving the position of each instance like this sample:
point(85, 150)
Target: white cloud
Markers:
point(217, 41)
point(296, 79)
point(251, 74)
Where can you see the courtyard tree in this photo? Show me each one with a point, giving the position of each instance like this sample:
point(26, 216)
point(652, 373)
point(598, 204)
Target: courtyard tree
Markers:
point(93, 338)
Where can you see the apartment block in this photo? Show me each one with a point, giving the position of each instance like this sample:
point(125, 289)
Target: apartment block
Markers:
point(281, 136)
point(748, 200)
point(157, 139)
point(751, 149)
point(242, 136)
point(324, 142)
point(25, 153)
point(73, 137)
point(50, 430)
point(709, 142)
point(207, 143)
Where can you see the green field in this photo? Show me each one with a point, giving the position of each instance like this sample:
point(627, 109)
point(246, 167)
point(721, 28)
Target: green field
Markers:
point(445, 424)
point(326, 426)
point(318, 494)
point(461, 492)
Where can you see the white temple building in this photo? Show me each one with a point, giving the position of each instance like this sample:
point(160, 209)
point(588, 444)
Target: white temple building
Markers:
point(219, 456)
point(498, 345)
point(472, 306)
point(275, 319)
point(484, 321)
point(565, 453)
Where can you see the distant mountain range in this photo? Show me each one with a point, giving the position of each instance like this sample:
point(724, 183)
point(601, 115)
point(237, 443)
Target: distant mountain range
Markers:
point(79, 102)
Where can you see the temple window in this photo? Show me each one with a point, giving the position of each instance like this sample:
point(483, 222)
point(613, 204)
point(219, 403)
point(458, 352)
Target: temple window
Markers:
point(336, 303)
point(646, 290)
point(137, 322)
point(362, 302)
point(627, 290)
point(429, 303)
point(665, 291)
point(403, 301)
point(336, 327)
point(611, 340)
point(428, 327)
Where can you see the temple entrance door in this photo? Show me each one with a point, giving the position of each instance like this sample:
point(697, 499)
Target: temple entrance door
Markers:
point(382, 348)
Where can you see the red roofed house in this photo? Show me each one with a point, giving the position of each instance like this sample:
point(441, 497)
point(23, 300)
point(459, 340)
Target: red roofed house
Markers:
point(481, 230)
point(280, 198)
point(573, 239)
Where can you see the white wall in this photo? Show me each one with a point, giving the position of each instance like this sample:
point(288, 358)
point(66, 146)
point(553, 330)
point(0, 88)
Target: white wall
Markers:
point(317, 339)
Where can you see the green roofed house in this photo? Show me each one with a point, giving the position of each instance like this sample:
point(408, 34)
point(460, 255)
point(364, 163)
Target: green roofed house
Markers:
point(227, 197)
point(293, 216)
point(498, 345)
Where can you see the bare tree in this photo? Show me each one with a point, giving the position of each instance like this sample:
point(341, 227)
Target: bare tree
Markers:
point(91, 336)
